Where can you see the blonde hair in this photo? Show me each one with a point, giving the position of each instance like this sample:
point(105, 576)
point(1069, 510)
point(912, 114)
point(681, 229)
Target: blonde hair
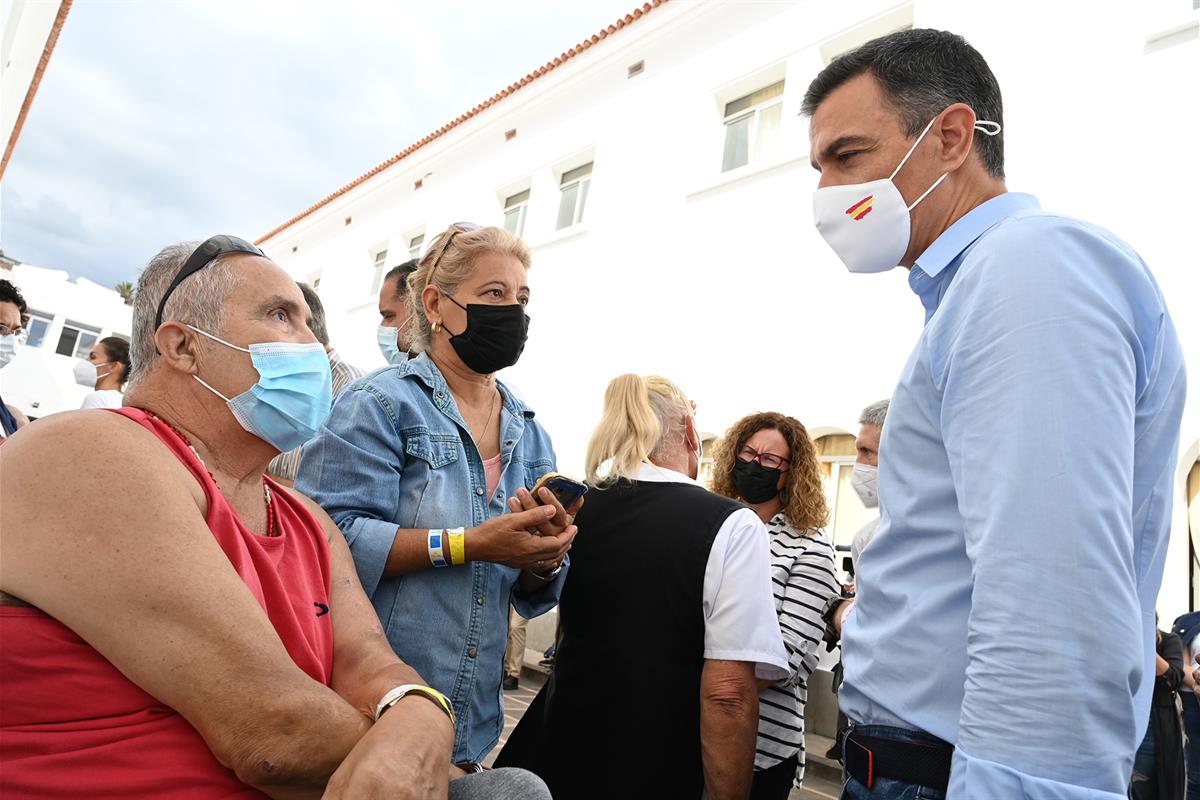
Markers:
point(449, 261)
point(643, 417)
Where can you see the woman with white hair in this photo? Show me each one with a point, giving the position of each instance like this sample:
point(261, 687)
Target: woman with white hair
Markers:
point(418, 464)
point(667, 619)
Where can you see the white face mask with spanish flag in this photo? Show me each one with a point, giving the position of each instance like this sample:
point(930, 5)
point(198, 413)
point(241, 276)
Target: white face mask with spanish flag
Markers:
point(868, 224)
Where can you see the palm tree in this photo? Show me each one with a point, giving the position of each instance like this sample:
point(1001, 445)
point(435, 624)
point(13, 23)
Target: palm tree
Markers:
point(125, 289)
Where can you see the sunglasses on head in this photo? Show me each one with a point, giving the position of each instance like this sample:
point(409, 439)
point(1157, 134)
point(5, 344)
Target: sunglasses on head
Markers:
point(455, 230)
point(210, 250)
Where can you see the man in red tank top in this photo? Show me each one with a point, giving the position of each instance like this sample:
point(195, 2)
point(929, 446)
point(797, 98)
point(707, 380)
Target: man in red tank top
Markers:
point(174, 623)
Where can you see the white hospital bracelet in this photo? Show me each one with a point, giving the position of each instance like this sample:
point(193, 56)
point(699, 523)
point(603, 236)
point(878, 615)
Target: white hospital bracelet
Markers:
point(437, 548)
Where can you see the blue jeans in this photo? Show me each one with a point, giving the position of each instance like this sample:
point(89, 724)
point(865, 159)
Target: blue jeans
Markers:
point(1191, 729)
point(889, 788)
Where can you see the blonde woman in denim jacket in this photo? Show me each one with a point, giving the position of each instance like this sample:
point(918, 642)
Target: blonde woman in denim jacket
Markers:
point(415, 451)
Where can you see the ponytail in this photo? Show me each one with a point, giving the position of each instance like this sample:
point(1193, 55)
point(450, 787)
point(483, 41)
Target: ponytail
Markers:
point(642, 416)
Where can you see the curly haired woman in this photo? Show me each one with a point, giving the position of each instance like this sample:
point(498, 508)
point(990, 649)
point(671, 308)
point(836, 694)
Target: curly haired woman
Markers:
point(769, 462)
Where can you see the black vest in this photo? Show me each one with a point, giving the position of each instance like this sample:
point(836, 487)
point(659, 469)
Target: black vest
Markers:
point(620, 715)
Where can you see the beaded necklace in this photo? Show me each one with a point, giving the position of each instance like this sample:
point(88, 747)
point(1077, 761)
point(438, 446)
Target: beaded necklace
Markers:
point(267, 499)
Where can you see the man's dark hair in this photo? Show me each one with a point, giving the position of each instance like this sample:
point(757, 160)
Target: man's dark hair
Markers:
point(402, 272)
point(9, 293)
point(118, 351)
point(921, 72)
point(317, 326)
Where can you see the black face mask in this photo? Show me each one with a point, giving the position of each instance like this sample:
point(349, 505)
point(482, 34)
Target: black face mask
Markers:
point(494, 338)
point(755, 483)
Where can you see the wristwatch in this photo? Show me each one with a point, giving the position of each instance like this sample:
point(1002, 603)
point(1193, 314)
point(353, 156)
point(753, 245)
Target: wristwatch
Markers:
point(549, 576)
point(832, 635)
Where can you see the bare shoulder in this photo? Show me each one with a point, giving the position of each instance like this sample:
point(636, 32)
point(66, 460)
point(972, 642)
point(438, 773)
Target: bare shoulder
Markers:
point(64, 466)
point(108, 448)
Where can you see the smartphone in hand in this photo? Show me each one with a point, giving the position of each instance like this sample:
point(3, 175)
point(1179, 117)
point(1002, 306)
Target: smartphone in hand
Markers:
point(567, 490)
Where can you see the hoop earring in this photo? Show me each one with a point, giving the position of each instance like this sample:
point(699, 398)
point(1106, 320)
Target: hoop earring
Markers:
point(437, 326)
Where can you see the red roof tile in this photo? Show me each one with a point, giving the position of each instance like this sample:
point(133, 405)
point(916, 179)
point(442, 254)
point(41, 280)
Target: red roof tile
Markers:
point(47, 51)
point(628, 19)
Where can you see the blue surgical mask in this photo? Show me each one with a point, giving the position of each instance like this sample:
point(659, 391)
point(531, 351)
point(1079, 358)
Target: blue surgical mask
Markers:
point(387, 345)
point(293, 394)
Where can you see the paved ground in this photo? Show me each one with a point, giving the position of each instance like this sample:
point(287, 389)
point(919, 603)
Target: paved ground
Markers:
point(516, 701)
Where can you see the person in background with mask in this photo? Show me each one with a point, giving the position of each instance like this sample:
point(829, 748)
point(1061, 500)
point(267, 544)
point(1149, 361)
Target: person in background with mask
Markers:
point(212, 639)
point(866, 472)
point(665, 567)
point(394, 312)
point(283, 467)
point(769, 462)
point(106, 369)
point(13, 315)
point(419, 463)
point(1030, 449)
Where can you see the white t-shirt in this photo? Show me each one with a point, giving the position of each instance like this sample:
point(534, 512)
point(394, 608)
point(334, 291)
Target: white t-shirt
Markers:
point(740, 623)
point(104, 398)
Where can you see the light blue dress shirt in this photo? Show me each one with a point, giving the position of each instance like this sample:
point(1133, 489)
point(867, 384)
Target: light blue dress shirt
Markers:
point(396, 453)
point(1025, 492)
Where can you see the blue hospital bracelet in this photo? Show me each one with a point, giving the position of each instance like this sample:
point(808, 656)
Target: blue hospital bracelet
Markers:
point(437, 557)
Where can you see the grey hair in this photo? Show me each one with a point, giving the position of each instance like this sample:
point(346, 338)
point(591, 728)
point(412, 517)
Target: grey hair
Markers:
point(874, 414)
point(197, 301)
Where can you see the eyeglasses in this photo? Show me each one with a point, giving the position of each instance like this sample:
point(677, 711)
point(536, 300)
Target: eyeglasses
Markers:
point(456, 229)
point(766, 460)
point(7, 331)
point(201, 257)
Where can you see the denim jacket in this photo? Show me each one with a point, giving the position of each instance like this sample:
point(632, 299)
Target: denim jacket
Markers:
point(396, 453)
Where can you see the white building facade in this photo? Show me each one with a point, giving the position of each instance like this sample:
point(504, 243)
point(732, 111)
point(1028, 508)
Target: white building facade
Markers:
point(661, 176)
point(66, 319)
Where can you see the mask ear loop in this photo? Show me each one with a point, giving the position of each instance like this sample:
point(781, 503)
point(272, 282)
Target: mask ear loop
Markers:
point(983, 126)
point(904, 160)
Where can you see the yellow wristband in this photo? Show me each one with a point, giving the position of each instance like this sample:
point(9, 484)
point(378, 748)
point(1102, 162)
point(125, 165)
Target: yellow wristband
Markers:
point(457, 538)
point(395, 695)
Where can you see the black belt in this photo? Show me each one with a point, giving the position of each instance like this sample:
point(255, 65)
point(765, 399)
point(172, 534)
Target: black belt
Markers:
point(917, 763)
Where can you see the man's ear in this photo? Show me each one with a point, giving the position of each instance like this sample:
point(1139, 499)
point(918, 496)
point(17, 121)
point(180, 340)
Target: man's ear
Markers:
point(177, 347)
point(955, 131)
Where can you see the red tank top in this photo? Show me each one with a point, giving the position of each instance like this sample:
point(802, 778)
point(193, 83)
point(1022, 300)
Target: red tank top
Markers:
point(72, 726)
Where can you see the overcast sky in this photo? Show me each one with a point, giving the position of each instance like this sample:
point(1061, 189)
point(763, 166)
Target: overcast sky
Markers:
point(162, 121)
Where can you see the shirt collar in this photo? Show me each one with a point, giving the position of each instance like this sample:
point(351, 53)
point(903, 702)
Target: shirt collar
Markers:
point(970, 227)
point(422, 368)
point(652, 473)
point(929, 273)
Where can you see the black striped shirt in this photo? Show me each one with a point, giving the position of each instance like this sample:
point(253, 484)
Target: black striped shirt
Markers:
point(803, 579)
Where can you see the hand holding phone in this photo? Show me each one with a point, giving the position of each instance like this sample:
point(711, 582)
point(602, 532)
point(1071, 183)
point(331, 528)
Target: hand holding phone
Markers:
point(567, 490)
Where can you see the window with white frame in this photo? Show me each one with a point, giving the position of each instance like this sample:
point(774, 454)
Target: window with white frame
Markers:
point(76, 340)
point(514, 212)
point(414, 245)
point(38, 325)
point(752, 126)
point(380, 270)
point(573, 196)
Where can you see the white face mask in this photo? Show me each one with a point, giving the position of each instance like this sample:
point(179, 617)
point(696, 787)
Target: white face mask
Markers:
point(8, 349)
point(86, 375)
point(868, 224)
point(865, 481)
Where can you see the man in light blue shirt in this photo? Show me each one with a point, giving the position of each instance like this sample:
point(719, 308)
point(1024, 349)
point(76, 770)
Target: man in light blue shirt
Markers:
point(1002, 645)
